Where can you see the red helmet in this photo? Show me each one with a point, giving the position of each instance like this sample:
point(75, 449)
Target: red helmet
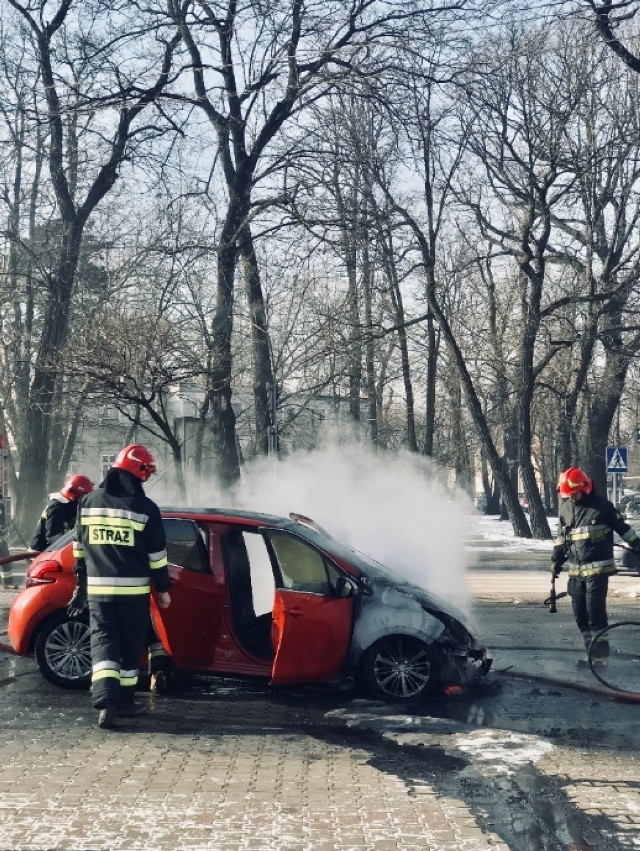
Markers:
point(574, 480)
point(137, 460)
point(75, 486)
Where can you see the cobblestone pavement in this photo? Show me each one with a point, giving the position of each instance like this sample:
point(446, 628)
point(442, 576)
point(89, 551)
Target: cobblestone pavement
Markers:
point(236, 767)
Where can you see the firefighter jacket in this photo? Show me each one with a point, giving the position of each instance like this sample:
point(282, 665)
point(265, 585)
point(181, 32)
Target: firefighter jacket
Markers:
point(585, 535)
point(120, 541)
point(58, 517)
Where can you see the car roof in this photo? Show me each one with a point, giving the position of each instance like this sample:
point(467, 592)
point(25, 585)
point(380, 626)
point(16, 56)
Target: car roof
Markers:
point(221, 514)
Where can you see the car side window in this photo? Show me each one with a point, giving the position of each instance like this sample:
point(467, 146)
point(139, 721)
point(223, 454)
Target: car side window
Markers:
point(187, 544)
point(302, 568)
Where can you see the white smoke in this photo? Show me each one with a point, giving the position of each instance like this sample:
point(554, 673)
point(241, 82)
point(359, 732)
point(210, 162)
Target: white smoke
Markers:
point(393, 506)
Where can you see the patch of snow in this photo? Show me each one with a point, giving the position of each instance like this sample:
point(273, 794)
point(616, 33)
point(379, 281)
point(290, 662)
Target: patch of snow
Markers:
point(629, 591)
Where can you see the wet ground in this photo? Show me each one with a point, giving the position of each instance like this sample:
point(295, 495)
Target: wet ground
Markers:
point(544, 759)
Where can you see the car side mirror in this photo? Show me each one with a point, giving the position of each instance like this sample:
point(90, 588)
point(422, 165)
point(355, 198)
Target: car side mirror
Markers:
point(346, 587)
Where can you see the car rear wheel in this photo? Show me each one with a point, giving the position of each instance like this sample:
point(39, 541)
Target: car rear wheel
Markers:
point(399, 668)
point(63, 652)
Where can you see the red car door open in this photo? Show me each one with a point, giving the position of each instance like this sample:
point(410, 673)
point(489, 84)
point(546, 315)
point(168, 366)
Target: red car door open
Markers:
point(311, 635)
point(311, 627)
point(189, 628)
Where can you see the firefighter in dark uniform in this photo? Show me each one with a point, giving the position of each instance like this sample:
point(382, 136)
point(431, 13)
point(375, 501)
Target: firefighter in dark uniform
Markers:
point(59, 515)
point(586, 525)
point(120, 550)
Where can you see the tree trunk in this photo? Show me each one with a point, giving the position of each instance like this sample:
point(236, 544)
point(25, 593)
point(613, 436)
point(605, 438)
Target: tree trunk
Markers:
point(223, 418)
point(34, 457)
point(262, 368)
point(430, 390)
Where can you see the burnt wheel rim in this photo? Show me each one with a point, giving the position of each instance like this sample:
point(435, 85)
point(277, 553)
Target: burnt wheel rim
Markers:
point(67, 650)
point(402, 668)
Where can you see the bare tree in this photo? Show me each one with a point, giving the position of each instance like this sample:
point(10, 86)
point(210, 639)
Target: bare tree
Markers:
point(83, 66)
point(610, 17)
point(256, 67)
point(138, 362)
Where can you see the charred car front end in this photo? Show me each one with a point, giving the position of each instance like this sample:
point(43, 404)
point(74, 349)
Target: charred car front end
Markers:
point(406, 641)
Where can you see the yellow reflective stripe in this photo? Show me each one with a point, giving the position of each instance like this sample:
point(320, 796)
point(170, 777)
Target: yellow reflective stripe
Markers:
point(114, 522)
point(105, 674)
point(630, 536)
point(155, 651)
point(106, 665)
point(594, 569)
point(103, 511)
point(590, 527)
point(95, 581)
point(78, 551)
point(161, 562)
point(595, 534)
point(128, 681)
point(119, 590)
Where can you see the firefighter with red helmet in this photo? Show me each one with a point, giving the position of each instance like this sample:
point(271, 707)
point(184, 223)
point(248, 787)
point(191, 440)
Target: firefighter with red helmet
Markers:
point(59, 515)
point(586, 525)
point(120, 551)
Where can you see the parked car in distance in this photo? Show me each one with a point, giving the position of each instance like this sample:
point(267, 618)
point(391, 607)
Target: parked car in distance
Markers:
point(632, 508)
point(262, 596)
point(624, 557)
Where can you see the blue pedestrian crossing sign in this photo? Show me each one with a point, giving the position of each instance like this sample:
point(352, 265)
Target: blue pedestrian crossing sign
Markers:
point(617, 459)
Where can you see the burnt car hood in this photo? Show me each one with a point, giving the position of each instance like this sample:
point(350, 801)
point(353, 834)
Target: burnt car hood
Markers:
point(433, 603)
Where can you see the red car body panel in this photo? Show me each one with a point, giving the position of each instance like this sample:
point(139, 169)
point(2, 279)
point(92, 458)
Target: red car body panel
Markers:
point(34, 604)
point(311, 634)
point(196, 601)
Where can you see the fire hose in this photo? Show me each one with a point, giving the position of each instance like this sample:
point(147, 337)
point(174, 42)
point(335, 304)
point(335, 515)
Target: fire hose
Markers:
point(22, 556)
point(619, 693)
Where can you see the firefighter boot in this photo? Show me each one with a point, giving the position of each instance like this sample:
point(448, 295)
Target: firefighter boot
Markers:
point(8, 582)
point(158, 682)
point(584, 663)
point(108, 717)
point(132, 709)
point(600, 652)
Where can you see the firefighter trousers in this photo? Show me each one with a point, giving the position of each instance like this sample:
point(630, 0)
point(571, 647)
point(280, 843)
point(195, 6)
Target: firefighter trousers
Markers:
point(589, 604)
point(159, 659)
point(118, 630)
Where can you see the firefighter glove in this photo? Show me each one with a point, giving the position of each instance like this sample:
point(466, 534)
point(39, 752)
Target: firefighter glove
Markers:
point(78, 603)
point(556, 569)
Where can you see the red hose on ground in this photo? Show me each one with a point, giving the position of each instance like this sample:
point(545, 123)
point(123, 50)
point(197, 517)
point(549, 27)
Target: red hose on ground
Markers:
point(628, 697)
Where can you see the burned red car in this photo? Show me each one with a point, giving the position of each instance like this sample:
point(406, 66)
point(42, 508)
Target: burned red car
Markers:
point(262, 596)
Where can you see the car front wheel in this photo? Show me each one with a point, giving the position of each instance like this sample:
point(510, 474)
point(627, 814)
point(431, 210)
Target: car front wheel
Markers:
point(63, 652)
point(399, 668)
